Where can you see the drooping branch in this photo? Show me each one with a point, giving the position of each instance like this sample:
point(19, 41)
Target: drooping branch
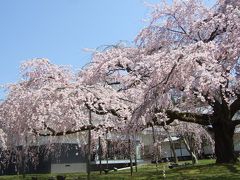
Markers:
point(61, 133)
point(165, 80)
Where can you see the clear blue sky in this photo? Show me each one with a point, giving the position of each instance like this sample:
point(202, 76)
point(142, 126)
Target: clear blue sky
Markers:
point(60, 29)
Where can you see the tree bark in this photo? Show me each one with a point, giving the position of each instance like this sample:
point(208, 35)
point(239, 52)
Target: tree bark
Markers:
point(130, 156)
point(100, 154)
point(155, 150)
point(23, 163)
point(222, 123)
point(193, 155)
point(135, 159)
point(224, 147)
point(135, 154)
point(107, 154)
point(172, 146)
point(89, 148)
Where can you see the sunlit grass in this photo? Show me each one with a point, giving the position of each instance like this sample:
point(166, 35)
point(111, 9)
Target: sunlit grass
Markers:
point(206, 169)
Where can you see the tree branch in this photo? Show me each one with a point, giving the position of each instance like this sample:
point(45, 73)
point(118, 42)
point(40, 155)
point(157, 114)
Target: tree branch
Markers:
point(102, 112)
point(61, 133)
point(163, 123)
point(203, 119)
point(236, 122)
point(165, 79)
point(235, 106)
point(215, 33)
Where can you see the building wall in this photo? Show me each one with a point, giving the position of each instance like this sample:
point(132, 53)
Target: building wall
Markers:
point(167, 152)
point(208, 150)
point(147, 139)
point(68, 168)
point(236, 139)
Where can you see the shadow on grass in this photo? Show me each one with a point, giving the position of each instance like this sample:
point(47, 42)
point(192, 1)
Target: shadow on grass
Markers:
point(209, 171)
point(205, 170)
point(233, 168)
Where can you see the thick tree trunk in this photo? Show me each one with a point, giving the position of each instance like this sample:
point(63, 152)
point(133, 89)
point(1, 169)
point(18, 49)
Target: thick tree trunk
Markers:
point(224, 147)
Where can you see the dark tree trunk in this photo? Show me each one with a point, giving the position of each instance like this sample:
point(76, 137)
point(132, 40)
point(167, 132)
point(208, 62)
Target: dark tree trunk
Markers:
point(130, 156)
point(135, 154)
point(224, 147)
point(89, 148)
point(100, 154)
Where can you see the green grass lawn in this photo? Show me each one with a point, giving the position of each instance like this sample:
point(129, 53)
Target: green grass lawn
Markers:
point(206, 169)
